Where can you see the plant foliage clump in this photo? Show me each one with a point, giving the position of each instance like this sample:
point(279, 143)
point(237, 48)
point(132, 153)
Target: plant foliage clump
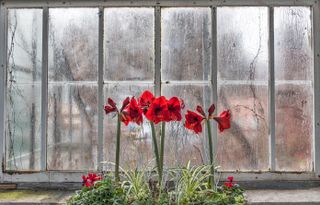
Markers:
point(102, 192)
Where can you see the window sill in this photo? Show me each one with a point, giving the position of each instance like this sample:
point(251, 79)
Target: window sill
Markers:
point(254, 197)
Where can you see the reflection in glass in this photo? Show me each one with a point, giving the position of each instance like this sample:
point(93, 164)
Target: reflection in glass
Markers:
point(245, 145)
point(243, 87)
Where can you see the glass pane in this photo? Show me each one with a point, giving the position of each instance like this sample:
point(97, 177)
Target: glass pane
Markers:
point(72, 127)
point(73, 44)
point(293, 43)
point(186, 43)
point(242, 43)
point(23, 89)
point(136, 144)
point(183, 145)
point(293, 90)
point(243, 87)
point(129, 43)
point(294, 127)
point(245, 146)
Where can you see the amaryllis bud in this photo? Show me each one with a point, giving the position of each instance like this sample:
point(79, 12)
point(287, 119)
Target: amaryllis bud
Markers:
point(200, 110)
point(125, 103)
point(211, 109)
point(111, 102)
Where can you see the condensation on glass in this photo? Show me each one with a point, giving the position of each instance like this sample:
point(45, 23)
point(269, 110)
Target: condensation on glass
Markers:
point(136, 143)
point(128, 56)
point(182, 145)
point(23, 85)
point(186, 51)
point(186, 43)
point(72, 89)
point(243, 87)
point(128, 44)
point(293, 88)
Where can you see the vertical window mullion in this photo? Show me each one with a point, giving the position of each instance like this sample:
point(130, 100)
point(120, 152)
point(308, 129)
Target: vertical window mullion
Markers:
point(157, 33)
point(3, 51)
point(316, 43)
point(214, 73)
point(272, 141)
point(100, 88)
point(44, 88)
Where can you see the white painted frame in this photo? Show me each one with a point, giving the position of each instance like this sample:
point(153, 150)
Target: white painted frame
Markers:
point(66, 176)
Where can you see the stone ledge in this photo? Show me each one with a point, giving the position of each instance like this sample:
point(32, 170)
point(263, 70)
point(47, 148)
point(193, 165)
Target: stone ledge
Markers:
point(275, 197)
point(34, 197)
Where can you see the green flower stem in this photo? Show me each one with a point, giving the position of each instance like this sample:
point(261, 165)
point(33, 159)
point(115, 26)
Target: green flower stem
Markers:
point(155, 149)
point(118, 148)
point(163, 130)
point(211, 179)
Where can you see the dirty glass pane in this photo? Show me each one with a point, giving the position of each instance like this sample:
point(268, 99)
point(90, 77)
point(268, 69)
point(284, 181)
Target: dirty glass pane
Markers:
point(128, 43)
point(243, 87)
point(72, 101)
point(183, 145)
point(293, 43)
point(293, 88)
point(136, 142)
point(186, 43)
point(72, 127)
point(23, 89)
point(242, 43)
point(245, 145)
point(73, 44)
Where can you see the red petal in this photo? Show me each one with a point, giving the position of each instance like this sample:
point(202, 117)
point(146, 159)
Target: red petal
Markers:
point(223, 120)
point(146, 99)
point(230, 178)
point(182, 103)
point(174, 109)
point(193, 121)
point(134, 112)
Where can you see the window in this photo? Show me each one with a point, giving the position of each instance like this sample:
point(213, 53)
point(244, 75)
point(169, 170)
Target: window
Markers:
point(63, 60)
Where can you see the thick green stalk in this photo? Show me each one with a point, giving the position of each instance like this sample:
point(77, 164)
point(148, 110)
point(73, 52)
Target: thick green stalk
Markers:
point(155, 149)
point(118, 148)
point(163, 130)
point(211, 179)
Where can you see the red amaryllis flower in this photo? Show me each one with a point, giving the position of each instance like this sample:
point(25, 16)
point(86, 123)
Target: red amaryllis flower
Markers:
point(223, 120)
point(145, 100)
point(90, 179)
point(158, 110)
point(193, 121)
point(134, 112)
point(112, 107)
point(228, 184)
point(174, 108)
